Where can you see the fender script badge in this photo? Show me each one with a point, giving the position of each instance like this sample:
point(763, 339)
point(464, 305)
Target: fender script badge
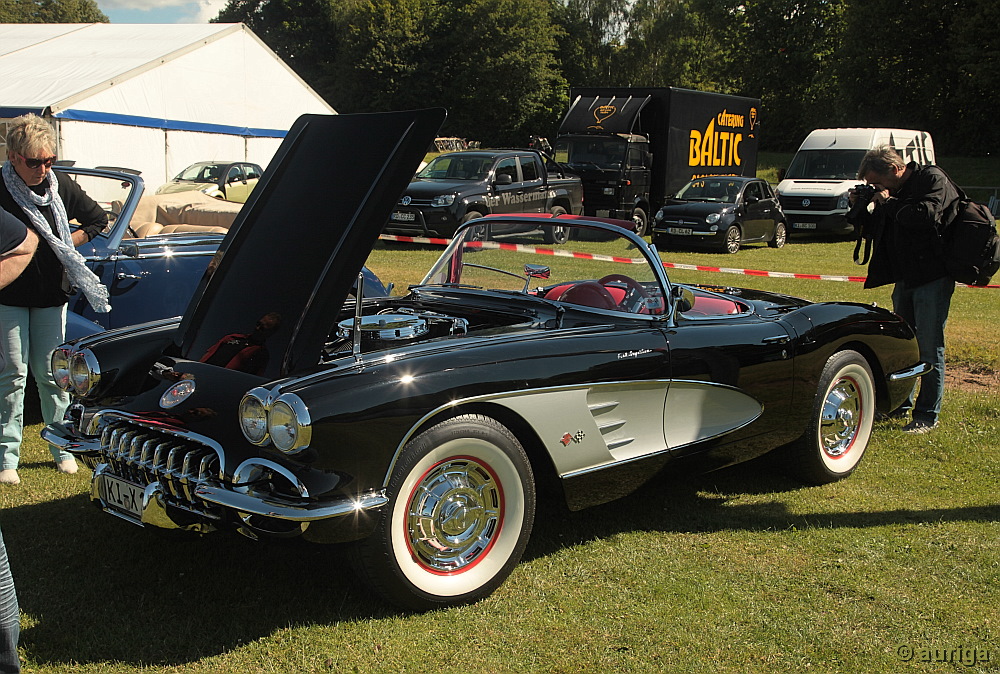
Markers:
point(567, 438)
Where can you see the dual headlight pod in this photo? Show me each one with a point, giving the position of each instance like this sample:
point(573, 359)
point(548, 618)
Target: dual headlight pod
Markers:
point(283, 421)
point(75, 371)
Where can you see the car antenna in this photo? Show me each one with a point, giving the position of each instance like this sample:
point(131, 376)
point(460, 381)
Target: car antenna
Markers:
point(358, 296)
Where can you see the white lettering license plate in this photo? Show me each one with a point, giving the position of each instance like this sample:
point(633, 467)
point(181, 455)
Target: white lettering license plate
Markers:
point(117, 494)
point(803, 225)
point(404, 217)
point(679, 231)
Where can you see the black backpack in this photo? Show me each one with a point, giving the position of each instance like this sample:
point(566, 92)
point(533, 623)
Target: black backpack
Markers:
point(970, 243)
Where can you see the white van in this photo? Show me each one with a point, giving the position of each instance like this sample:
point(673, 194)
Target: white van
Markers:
point(813, 191)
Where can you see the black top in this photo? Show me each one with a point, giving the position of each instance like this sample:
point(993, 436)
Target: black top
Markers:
point(12, 232)
point(41, 283)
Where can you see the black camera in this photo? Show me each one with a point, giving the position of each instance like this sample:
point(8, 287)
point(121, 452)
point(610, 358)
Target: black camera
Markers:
point(863, 195)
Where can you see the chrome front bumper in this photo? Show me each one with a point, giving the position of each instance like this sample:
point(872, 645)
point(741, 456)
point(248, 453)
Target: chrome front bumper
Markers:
point(180, 501)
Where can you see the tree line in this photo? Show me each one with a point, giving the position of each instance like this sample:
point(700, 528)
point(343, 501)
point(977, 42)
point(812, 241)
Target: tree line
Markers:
point(503, 68)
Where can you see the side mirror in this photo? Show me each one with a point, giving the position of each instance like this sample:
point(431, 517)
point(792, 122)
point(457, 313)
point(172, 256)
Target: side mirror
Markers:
point(781, 174)
point(683, 299)
point(503, 179)
point(752, 200)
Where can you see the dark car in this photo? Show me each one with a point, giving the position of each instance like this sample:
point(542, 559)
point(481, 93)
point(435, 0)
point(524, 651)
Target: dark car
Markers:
point(721, 213)
point(460, 186)
point(229, 180)
point(418, 428)
point(151, 270)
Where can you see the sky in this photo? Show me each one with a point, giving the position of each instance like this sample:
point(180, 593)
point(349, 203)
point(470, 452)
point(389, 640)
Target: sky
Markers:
point(161, 11)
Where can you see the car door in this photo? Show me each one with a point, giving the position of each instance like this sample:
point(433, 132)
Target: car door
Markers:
point(535, 190)
point(149, 279)
point(755, 212)
point(236, 184)
point(735, 367)
point(508, 197)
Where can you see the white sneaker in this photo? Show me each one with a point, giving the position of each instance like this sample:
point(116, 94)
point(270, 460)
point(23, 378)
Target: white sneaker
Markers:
point(9, 476)
point(67, 466)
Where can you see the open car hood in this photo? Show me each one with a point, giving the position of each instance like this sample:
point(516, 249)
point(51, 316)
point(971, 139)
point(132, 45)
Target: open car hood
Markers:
point(296, 248)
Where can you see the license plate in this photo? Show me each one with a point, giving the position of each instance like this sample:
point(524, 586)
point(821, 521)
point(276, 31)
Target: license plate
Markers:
point(602, 213)
point(404, 217)
point(679, 231)
point(803, 225)
point(124, 497)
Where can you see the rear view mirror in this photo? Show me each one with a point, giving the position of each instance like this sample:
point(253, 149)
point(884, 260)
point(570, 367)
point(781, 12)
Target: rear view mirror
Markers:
point(504, 179)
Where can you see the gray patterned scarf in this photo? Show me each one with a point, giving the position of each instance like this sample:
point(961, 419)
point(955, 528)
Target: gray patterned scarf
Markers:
point(76, 267)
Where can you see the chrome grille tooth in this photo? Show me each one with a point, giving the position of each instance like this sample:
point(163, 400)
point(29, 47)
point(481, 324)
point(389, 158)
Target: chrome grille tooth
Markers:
point(206, 468)
point(143, 455)
point(172, 471)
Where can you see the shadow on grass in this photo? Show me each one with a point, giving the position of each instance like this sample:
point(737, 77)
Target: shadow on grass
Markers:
point(98, 589)
point(700, 504)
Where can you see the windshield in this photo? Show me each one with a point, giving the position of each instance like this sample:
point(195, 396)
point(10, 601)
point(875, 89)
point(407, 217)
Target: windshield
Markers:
point(111, 193)
point(619, 278)
point(457, 167)
point(604, 153)
point(719, 190)
point(202, 173)
point(825, 164)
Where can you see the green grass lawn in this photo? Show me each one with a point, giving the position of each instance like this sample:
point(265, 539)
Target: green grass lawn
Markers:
point(742, 570)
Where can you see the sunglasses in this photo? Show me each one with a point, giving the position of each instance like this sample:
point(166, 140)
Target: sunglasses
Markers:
point(35, 163)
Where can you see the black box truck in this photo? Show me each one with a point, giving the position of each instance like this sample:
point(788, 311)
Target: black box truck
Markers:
point(635, 147)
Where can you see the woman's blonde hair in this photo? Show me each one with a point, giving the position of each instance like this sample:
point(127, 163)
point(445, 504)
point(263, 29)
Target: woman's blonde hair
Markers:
point(30, 135)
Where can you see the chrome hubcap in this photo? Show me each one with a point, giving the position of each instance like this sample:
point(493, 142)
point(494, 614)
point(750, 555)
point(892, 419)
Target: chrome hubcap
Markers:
point(454, 515)
point(842, 416)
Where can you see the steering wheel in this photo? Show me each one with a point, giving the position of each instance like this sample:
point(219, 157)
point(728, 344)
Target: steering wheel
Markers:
point(634, 300)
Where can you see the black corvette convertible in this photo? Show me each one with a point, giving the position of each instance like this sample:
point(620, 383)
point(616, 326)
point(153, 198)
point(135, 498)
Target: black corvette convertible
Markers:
point(417, 427)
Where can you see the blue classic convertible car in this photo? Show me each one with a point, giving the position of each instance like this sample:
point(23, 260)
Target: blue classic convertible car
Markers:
point(153, 252)
point(416, 428)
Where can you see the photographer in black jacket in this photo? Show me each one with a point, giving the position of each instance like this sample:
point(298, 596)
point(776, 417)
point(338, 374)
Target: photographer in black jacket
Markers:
point(909, 206)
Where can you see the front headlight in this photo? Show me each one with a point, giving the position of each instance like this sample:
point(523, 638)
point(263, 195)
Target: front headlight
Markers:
point(712, 218)
point(844, 200)
point(60, 367)
point(443, 200)
point(253, 416)
point(84, 372)
point(289, 424)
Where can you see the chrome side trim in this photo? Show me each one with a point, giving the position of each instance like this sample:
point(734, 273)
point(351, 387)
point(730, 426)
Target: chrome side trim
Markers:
point(918, 370)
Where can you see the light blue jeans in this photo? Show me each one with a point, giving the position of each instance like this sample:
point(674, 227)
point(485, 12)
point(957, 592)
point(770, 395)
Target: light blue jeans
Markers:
point(27, 339)
point(10, 617)
point(925, 308)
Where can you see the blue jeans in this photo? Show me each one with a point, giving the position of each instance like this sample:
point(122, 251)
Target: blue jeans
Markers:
point(10, 617)
point(27, 338)
point(925, 307)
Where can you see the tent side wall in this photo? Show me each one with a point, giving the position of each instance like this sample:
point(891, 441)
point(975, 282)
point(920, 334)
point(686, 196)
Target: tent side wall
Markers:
point(225, 96)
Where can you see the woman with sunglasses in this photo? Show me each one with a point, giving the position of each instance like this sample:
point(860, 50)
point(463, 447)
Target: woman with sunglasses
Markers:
point(33, 307)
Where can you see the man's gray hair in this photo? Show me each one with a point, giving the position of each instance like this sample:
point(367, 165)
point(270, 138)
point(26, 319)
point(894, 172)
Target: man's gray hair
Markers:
point(880, 160)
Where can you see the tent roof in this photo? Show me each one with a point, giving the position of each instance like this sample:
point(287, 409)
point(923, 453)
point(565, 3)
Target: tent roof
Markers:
point(54, 67)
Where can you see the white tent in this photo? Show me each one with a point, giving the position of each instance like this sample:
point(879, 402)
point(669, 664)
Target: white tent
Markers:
point(154, 97)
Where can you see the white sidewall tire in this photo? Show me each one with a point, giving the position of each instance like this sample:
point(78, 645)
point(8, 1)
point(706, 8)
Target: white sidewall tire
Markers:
point(453, 556)
point(854, 379)
point(840, 425)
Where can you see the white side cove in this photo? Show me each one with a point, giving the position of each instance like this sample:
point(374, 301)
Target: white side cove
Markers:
point(590, 427)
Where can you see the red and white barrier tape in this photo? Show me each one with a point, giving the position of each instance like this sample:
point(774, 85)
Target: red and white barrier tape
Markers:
point(560, 252)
